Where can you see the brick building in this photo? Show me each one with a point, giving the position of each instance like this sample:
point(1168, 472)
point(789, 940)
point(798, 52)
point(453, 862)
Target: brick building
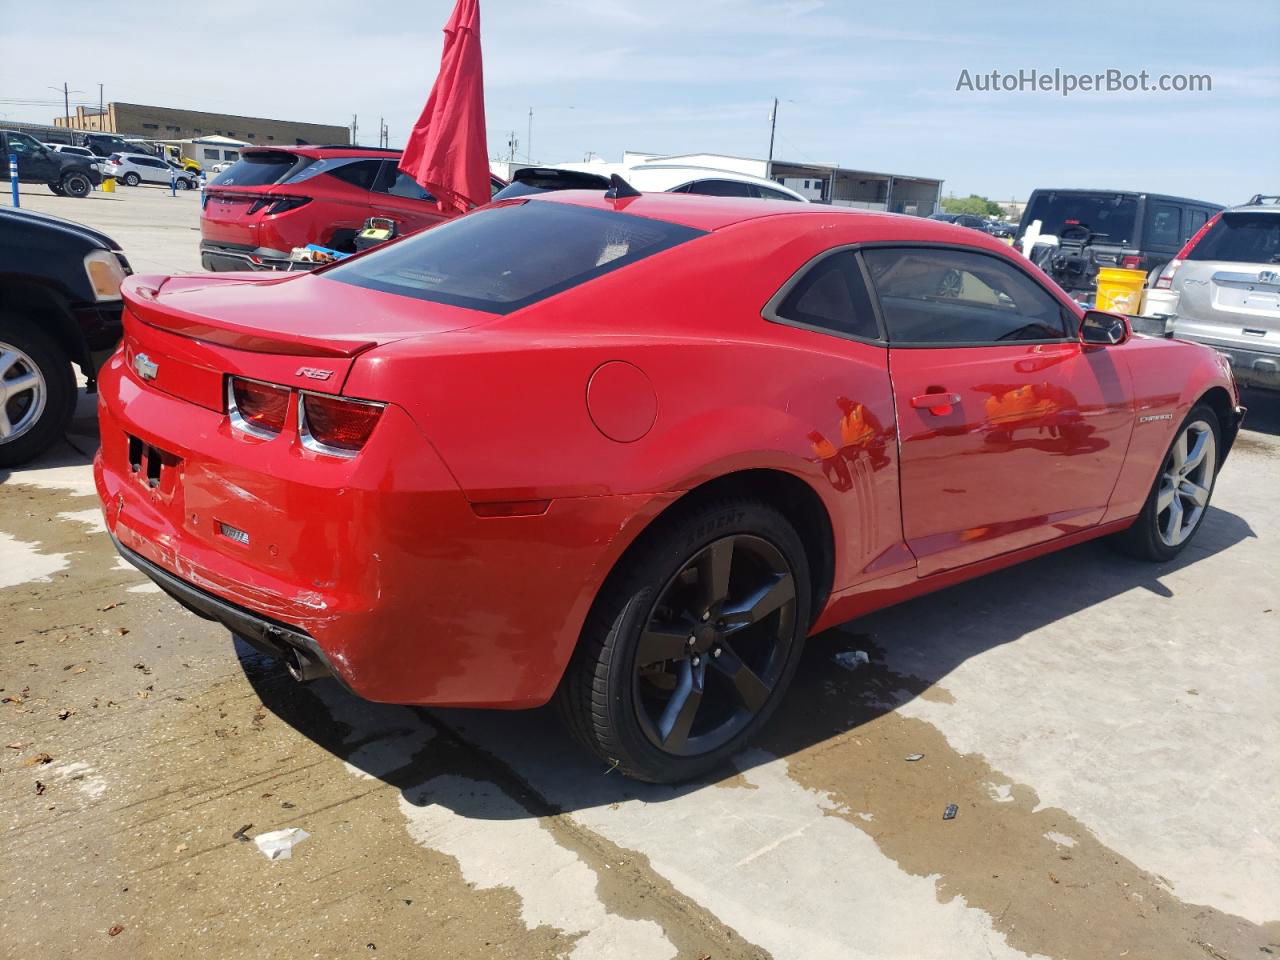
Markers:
point(169, 123)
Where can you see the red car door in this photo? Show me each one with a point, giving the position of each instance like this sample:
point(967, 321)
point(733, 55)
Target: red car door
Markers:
point(398, 197)
point(1010, 430)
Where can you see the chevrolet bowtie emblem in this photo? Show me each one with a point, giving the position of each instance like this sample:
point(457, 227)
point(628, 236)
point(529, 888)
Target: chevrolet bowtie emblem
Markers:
point(145, 367)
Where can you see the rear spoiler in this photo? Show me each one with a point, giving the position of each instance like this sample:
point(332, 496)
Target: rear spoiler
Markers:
point(143, 296)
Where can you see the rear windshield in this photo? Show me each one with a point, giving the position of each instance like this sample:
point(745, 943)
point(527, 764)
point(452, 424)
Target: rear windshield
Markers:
point(261, 169)
point(501, 259)
point(1112, 214)
point(1241, 238)
point(530, 181)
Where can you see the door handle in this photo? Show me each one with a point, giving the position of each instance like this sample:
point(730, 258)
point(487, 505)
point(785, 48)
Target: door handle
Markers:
point(939, 404)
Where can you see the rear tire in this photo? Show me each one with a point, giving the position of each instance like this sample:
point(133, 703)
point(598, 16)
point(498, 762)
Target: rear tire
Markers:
point(131, 179)
point(1179, 499)
point(76, 185)
point(37, 391)
point(692, 642)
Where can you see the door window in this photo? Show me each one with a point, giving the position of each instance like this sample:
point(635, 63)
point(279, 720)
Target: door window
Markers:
point(396, 183)
point(24, 146)
point(831, 296)
point(768, 193)
point(935, 296)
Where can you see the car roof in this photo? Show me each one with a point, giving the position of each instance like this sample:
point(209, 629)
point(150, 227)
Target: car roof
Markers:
point(1259, 203)
point(317, 151)
point(713, 213)
point(1128, 193)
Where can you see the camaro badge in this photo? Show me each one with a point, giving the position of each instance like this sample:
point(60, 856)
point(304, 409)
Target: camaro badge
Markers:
point(145, 367)
point(1155, 416)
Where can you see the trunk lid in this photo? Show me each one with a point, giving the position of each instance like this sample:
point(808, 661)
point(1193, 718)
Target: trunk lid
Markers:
point(184, 334)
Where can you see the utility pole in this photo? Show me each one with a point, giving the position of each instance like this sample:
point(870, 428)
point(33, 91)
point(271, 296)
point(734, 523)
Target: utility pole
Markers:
point(773, 125)
point(528, 140)
point(355, 128)
point(512, 144)
point(100, 109)
point(382, 129)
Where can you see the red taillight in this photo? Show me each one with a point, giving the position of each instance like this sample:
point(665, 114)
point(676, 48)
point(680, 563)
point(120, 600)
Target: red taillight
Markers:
point(1165, 280)
point(336, 425)
point(1130, 262)
point(257, 407)
point(275, 203)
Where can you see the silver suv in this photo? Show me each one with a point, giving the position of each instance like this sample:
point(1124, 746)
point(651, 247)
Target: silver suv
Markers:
point(1228, 281)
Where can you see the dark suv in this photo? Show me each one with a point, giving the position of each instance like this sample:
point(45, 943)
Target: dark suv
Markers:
point(59, 305)
point(1120, 228)
point(66, 174)
point(274, 199)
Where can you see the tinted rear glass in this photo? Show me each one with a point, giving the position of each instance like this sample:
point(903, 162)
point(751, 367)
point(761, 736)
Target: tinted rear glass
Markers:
point(505, 258)
point(1113, 214)
point(261, 169)
point(1241, 238)
point(541, 181)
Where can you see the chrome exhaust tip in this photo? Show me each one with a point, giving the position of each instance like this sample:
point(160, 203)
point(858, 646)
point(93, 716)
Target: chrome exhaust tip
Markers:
point(302, 666)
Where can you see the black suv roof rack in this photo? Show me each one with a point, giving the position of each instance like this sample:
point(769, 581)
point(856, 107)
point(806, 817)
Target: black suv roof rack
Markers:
point(1260, 198)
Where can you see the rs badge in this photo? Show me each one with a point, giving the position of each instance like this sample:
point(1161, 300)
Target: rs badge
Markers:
point(314, 373)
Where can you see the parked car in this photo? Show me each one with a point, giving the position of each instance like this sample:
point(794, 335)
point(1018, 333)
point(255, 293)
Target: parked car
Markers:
point(64, 173)
point(970, 220)
point(132, 169)
point(105, 144)
point(274, 199)
point(647, 178)
point(1228, 282)
point(59, 305)
point(1136, 231)
point(631, 452)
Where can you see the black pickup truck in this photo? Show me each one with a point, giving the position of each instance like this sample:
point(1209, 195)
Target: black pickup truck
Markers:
point(59, 305)
point(66, 174)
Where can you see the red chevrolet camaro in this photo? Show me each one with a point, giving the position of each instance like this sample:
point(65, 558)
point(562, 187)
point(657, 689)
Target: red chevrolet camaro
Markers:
point(629, 451)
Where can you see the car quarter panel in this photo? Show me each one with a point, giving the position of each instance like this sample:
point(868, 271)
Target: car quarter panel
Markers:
point(1168, 377)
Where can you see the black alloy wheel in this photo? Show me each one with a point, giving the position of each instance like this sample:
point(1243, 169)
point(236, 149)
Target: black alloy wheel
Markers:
point(691, 642)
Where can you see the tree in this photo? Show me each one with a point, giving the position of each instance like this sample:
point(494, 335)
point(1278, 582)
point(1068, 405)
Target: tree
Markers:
point(974, 204)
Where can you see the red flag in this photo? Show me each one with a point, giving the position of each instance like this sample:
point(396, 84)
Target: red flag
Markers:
point(447, 152)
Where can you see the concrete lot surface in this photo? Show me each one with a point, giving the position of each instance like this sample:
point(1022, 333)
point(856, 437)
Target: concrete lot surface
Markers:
point(1108, 730)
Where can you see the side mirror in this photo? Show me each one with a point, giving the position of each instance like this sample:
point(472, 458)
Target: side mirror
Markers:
point(1104, 329)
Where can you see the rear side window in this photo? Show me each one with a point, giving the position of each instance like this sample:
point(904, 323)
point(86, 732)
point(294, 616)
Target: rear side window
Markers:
point(767, 193)
point(1241, 238)
point(359, 173)
point(500, 259)
point(832, 296)
point(937, 296)
point(261, 169)
point(720, 188)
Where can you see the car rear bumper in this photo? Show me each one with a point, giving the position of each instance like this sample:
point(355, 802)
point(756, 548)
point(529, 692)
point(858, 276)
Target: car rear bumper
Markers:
point(1250, 366)
point(221, 257)
point(380, 561)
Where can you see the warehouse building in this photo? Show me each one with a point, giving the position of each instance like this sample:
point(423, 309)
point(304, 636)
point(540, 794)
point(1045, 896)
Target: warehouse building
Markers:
point(171, 123)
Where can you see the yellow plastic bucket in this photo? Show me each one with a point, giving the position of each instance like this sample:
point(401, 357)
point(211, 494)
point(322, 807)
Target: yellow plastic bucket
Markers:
point(1120, 291)
point(109, 185)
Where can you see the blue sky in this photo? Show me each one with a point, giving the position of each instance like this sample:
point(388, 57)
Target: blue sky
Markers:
point(862, 84)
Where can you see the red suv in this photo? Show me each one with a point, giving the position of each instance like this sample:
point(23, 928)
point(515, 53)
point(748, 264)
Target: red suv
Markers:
point(276, 198)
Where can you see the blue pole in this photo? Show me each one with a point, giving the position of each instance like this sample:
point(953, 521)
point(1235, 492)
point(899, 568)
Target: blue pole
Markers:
point(13, 178)
point(173, 183)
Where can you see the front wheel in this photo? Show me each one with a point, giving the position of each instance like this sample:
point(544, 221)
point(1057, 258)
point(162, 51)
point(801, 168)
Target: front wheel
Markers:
point(131, 179)
point(37, 391)
point(692, 642)
point(1179, 498)
point(76, 185)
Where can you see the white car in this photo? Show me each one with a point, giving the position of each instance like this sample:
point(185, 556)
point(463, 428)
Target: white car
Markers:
point(648, 178)
point(95, 161)
point(132, 169)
